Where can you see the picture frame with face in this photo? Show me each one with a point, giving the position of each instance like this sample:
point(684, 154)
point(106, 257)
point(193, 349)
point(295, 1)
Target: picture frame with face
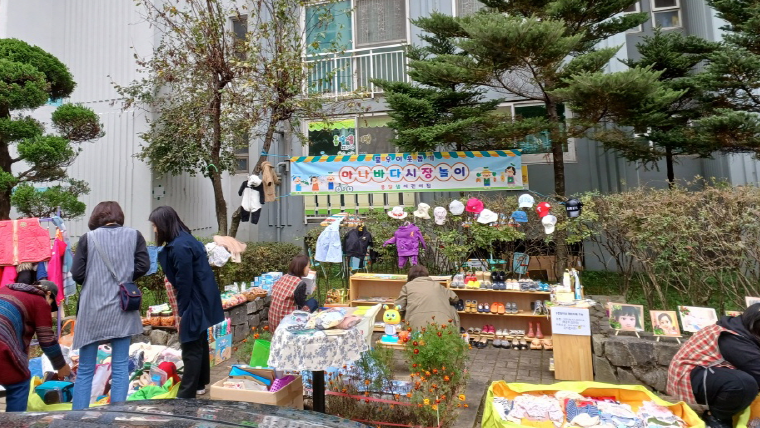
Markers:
point(665, 323)
point(695, 318)
point(625, 317)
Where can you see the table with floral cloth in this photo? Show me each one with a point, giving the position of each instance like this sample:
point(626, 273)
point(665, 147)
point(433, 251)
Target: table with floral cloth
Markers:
point(315, 352)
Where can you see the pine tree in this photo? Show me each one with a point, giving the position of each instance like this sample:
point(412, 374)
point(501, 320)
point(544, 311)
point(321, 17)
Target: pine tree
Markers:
point(546, 51)
point(667, 132)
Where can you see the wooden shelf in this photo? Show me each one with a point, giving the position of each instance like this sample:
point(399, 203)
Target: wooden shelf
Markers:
point(456, 290)
point(504, 315)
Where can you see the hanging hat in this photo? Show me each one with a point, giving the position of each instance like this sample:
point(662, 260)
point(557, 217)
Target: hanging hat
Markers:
point(440, 215)
point(543, 209)
point(474, 205)
point(549, 221)
point(520, 216)
point(456, 207)
point(573, 207)
point(526, 201)
point(397, 213)
point(422, 211)
point(487, 216)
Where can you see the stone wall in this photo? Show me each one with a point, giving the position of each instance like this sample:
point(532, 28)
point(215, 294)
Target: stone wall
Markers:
point(243, 318)
point(625, 358)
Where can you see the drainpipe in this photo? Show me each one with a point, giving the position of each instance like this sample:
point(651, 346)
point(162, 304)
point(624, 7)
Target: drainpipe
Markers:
point(282, 168)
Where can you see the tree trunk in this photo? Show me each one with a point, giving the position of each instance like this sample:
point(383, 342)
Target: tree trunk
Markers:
point(235, 222)
point(558, 152)
point(216, 149)
point(274, 119)
point(5, 195)
point(669, 166)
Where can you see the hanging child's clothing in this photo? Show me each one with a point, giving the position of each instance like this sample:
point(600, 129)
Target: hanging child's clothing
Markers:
point(252, 192)
point(329, 248)
point(407, 239)
point(55, 267)
point(23, 241)
point(355, 244)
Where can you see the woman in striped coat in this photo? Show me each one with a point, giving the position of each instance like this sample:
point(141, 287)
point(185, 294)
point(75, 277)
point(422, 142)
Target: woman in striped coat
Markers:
point(100, 318)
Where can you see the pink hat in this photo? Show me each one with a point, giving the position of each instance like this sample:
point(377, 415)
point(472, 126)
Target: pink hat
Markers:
point(474, 205)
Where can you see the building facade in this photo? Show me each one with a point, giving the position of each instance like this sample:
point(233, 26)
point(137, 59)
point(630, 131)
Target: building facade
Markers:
point(98, 41)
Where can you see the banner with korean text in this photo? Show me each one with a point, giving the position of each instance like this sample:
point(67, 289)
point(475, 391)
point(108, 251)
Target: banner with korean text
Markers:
point(407, 172)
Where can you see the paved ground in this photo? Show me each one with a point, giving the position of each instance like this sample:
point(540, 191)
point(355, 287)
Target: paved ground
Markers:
point(485, 366)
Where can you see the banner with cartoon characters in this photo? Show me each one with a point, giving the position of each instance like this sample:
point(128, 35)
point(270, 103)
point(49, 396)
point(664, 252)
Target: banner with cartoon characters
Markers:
point(402, 172)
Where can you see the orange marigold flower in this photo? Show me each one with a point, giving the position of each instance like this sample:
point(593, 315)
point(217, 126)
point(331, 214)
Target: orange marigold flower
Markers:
point(435, 386)
point(426, 401)
point(414, 365)
point(408, 329)
point(343, 390)
point(437, 401)
point(367, 382)
point(266, 327)
point(446, 378)
point(465, 405)
point(435, 371)
point(462, 397)
point(427, 373)
point(256, 336)
point(408, 395)
point(450, 320)
point(415, 343)
point(396, 396)
point(416, 351)
point(440, 334)
point(366, 394)
point(419, 405)
point(366, 401)
point(443, 368)
point(443, 397)
point(434, 407)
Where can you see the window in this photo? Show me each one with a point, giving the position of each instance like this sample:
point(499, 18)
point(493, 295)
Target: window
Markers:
point(335, 138)
point(241, 154)
point(240, 29)
point(380, 22)
point(328, 27)
point(634, 8)
point(666, 13)
point(539, 143)
point(467, 7)
point(374, 135)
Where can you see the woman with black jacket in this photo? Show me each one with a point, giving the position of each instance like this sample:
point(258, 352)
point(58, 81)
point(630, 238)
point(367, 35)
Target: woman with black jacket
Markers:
point(719, 367)
point(185, 263)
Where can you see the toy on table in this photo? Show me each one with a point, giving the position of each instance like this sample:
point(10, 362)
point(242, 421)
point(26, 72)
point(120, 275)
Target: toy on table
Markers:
point(391, 318)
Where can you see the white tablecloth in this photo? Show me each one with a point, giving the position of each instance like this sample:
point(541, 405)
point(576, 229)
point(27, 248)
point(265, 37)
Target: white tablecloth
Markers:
point(316, 351)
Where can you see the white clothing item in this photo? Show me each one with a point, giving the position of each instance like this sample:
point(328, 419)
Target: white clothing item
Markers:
point(329, 248)
point(217, 255)
point(456, 207)
point(440, 215)
point(423, 211)
point(487, 216)
point(526, 201)
point(549, 223)
point(251, 197)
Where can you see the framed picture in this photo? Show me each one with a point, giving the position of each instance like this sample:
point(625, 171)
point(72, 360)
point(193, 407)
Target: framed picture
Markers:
point(665, 323)
point(694, 318)
point(733, 313)
point(751, 300)
point(626, 317)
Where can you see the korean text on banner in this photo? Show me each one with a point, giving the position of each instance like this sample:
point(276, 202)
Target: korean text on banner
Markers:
point(572, 321)
point(402, 172)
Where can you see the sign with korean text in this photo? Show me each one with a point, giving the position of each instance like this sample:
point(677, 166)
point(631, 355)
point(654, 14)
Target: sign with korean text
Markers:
point(407, 172)
point(572, 321)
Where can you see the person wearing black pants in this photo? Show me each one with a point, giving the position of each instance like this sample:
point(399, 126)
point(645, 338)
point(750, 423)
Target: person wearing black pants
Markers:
point(719, 367)
point(195, 357)
point(185, 263)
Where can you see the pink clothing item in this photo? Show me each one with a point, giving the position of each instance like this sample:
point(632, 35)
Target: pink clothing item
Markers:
point(23, 241)
point(9, 275)
point(55, 267)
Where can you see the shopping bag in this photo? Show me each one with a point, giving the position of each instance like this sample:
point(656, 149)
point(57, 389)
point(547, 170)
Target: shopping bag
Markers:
point(100, 381)
point(629, 394)
point(260, 354)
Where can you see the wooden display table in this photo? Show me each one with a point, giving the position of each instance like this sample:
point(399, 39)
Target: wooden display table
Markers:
point(368, 289)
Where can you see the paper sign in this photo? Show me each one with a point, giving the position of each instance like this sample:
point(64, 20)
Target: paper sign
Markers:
point(572, 321)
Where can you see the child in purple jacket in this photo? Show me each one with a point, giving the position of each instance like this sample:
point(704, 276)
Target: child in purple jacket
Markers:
point(407, 239)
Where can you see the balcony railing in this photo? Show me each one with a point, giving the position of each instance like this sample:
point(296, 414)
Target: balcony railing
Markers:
point(341, 74)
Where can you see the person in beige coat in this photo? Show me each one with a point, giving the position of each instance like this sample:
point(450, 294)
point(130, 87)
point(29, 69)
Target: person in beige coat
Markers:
point(422, 298)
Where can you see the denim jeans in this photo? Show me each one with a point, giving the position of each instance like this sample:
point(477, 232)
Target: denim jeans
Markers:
point(16, 396)
point(119, 372)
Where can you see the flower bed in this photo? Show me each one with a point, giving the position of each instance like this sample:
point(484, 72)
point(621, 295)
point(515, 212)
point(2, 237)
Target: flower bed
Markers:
point(371, 392)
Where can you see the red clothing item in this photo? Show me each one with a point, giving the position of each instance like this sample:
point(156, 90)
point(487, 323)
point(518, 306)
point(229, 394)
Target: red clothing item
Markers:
point(55, 267)
point(701, 350)
point(24, 312)
point(283, 300)
point(9, 275)
point(23, 241)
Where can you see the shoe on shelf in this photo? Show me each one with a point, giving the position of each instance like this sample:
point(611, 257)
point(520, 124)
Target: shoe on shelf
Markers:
point(460, 305)
point(480, 307)
point(494, 307)
point(516, 344)
point(501, 309)
point(530, 334)
point(548, 344)
point(506, 342)
point(535, 344)
point(539, 335)
point(496, 342)
point(523, 345)
point(486, 307)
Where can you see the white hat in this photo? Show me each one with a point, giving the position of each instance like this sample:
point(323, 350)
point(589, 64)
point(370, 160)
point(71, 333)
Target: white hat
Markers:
point(422, 211)
point(487, 216)
point(440, 215)
point(397, 213)
point(526, 201)
point(456, 207)
point(549, 222)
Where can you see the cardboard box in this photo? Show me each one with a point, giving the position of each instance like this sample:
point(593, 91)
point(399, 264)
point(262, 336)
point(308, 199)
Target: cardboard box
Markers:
point(290, 396)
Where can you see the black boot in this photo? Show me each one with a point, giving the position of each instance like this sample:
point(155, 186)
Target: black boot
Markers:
point(713, 422)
